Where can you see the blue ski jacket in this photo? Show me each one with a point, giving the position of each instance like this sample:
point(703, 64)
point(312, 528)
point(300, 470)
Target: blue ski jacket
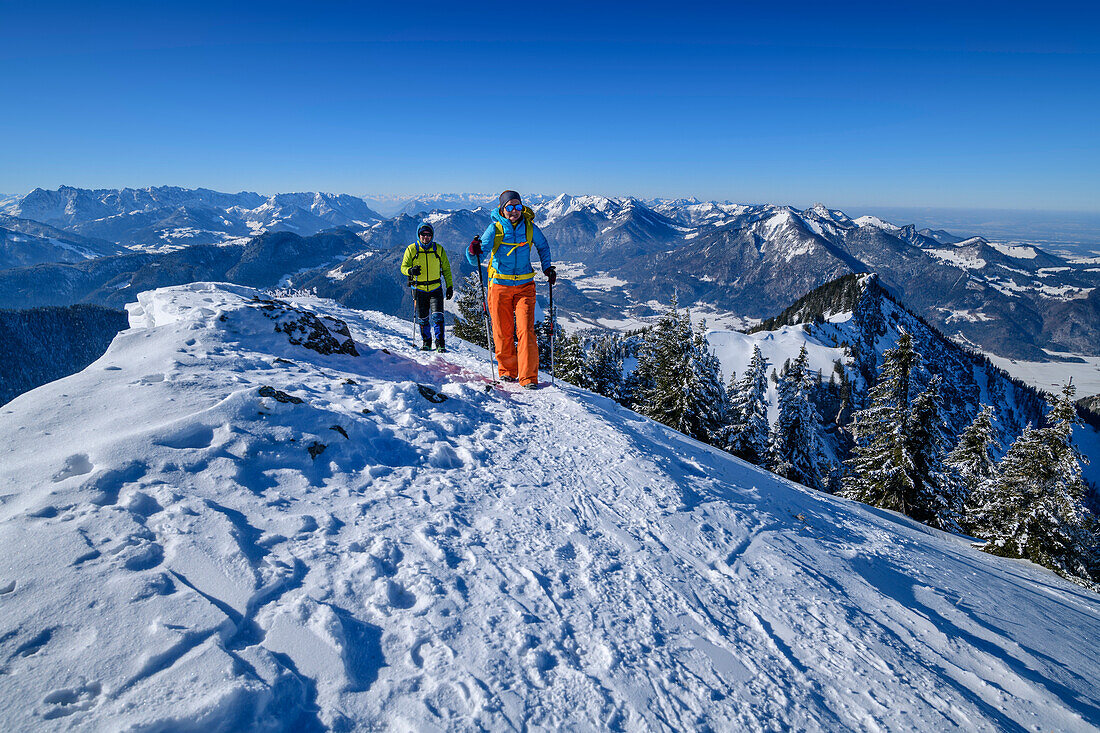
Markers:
point(509, 249)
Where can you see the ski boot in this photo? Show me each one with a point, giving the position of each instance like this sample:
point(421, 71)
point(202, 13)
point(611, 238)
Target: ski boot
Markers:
point(427, 346)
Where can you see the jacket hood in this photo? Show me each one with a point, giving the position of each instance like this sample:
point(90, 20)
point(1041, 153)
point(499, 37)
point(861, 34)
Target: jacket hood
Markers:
point(429, 227)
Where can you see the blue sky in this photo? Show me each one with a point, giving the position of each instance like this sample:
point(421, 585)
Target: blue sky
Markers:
point(934, 104)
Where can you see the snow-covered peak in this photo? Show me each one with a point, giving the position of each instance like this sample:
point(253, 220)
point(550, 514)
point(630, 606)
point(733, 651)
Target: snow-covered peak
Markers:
point(601, 207)
point(707, 213)
point(8, 202)
point(877, 223)
point(556, 209)
point(784, 232)
point(222, 520)
point(824, 213)
point(973, 242)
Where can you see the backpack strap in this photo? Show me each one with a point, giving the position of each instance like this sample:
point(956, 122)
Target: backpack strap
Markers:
point(498, 240)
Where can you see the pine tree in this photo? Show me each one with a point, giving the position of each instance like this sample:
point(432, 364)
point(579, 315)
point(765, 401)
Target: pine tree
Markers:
point(973, 459)
point(470, 324)
point(797, 452)
point(880, 471)
point(677, 381)
point(604, 366)
point(937, 500)
point(542, 338)
point(705, 396)
point(748, 412)
point(1034, 507)
point(662, 360)
point(570, 360)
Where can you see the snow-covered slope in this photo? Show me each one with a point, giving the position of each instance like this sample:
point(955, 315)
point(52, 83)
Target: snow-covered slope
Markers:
point(216, 527)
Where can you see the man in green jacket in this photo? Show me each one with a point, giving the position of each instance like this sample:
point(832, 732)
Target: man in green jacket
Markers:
point(425, 264)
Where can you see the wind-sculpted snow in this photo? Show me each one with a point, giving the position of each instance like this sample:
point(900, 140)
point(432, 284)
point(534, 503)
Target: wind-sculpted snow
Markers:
point(182, 548)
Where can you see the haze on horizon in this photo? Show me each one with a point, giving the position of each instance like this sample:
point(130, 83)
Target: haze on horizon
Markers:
point(975, 107)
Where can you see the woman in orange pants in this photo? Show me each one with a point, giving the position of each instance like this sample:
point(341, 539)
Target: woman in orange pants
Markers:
point(513, 233)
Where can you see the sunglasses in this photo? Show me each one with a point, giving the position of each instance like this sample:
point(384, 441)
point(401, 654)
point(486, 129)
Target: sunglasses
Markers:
point(514, 207)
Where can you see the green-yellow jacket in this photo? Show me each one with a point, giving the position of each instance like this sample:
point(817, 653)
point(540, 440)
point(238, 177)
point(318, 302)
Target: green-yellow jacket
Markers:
point(433, 262)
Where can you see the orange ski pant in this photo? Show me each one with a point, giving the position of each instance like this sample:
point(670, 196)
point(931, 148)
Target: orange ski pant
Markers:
point(512, 308)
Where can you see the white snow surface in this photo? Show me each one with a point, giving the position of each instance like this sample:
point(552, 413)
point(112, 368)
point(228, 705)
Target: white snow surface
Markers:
point(173, 558)
point(877, 223)
point(734, 349)
point(1019, 252)
point(962, 258)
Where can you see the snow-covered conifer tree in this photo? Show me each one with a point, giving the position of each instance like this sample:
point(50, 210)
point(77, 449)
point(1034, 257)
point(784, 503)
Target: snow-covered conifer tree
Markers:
point(470, 324)
point(973, 460)
point(704, 394)
point(880, 471)
point(603, 364)
point(543, 336)
point(677, 381)
point(662, 360)
point(748, 432)
point(797, 451)
point(937, 500)
point(1034, 507)
point(570, 360)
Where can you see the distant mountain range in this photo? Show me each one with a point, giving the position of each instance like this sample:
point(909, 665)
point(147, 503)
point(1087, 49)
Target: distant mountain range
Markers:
point(625, 257)
point(168, 217)
point(421, 203)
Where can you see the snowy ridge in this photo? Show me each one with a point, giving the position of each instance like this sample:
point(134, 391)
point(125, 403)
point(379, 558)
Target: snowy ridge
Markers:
point(214, 525)
point(565, 204)
point(877, 223)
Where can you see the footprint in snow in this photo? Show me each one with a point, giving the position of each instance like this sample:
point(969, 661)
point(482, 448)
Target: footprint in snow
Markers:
point(397, 597)
point(139, 551)
point(46, 512)
point(75, 465)
point(444, 456)
point(109, 483)
point(68, 700)
point(386, 556)
point(191, 437)
point(33, 646)
point(141, 504)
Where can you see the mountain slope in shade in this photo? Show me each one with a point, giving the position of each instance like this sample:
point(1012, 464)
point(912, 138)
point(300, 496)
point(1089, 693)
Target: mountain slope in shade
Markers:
point(26, 243)
point(41, 345)
point(238, 518)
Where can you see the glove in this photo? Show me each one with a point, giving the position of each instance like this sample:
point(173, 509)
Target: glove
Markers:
point(450, 293)
point(415, 270)
point(551, 274)
point(475, 247)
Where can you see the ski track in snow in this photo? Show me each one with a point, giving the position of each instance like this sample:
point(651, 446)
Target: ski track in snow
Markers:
point(178, 552)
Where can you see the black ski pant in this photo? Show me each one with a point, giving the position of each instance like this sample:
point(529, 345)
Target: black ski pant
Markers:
point(430, 301)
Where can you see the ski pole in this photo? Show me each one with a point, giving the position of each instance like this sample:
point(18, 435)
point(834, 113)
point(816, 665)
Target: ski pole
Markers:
point(553, 331)
point(485, 318)
point(416, 326)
